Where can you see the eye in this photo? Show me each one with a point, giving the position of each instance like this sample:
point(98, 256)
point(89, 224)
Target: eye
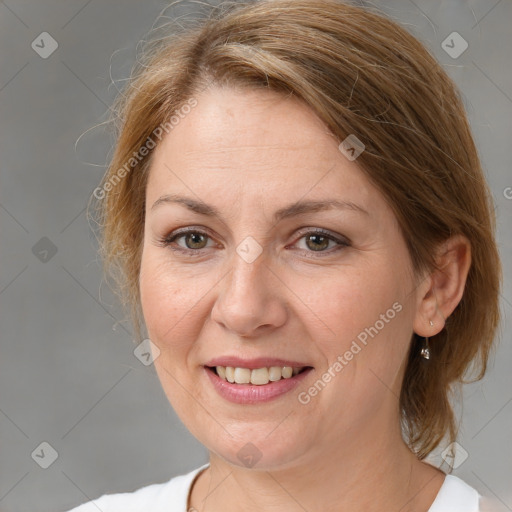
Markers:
point(319, 240)
point(193, 240)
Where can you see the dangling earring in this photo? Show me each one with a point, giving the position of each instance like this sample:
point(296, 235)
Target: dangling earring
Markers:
point(425, 350)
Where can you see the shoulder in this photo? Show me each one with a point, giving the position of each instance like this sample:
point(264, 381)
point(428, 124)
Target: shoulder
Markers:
point(455, 495)
point(169, 496)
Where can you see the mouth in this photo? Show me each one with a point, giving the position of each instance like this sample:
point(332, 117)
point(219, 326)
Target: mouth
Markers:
point(255, 380)
point(256, 376)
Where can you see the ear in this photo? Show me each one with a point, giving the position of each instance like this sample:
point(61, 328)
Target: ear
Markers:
point(441, 290)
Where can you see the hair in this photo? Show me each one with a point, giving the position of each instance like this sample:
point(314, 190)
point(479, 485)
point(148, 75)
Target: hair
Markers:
point(362, 74)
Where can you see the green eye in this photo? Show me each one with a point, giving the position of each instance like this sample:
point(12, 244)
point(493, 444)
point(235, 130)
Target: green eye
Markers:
point(194, 240)
point(318, 242)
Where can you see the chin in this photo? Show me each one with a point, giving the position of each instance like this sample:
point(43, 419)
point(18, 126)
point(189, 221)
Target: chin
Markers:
point(254, 448)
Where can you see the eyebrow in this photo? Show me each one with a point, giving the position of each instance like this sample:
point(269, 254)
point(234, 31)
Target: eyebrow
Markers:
point(297, 208)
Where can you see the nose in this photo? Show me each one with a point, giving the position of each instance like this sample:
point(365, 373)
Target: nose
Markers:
point(251, 301)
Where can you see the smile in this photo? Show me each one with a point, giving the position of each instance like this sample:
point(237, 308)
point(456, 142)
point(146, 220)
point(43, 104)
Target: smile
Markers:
point(255, 385)
point(257, 376)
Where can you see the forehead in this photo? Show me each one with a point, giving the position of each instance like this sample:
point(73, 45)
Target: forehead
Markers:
point(256, 146)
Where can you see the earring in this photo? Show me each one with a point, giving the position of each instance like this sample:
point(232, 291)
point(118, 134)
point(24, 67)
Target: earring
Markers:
point(425, 350)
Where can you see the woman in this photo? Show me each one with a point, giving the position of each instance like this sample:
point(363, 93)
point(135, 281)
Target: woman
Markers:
point(296, 211)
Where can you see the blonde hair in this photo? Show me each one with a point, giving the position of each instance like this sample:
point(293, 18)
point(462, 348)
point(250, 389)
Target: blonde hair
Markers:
point(362, 74)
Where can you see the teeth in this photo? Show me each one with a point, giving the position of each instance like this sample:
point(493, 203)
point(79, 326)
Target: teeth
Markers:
point(259, 376)
point(287, 372)
point(242, 375)
point(275, 373)
point(230, 374)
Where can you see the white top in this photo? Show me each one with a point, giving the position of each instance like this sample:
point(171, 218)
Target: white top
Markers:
point(454, 496)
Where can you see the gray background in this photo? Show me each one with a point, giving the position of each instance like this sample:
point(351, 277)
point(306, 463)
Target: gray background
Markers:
point(68, 375)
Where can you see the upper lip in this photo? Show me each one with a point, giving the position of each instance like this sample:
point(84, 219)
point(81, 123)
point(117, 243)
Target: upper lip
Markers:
point(252, 364)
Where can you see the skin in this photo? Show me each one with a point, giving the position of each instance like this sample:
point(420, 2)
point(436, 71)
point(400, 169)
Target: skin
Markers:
point(249, 153)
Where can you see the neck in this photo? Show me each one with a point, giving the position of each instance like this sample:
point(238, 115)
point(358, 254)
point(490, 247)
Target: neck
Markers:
point(378, 474)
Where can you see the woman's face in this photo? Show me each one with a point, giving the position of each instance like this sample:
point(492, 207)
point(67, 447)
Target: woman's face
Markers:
point(262, 282)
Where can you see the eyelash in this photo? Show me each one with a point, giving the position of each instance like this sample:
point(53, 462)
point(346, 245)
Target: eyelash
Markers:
point(169, 239)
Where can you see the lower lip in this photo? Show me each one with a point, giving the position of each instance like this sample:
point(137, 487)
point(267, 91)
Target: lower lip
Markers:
point(251, 394)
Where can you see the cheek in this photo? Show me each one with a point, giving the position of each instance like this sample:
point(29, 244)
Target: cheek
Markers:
point(167, 301)
point(368, 323)
point(366, 318)
point(169, 315)
point(352, 300)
